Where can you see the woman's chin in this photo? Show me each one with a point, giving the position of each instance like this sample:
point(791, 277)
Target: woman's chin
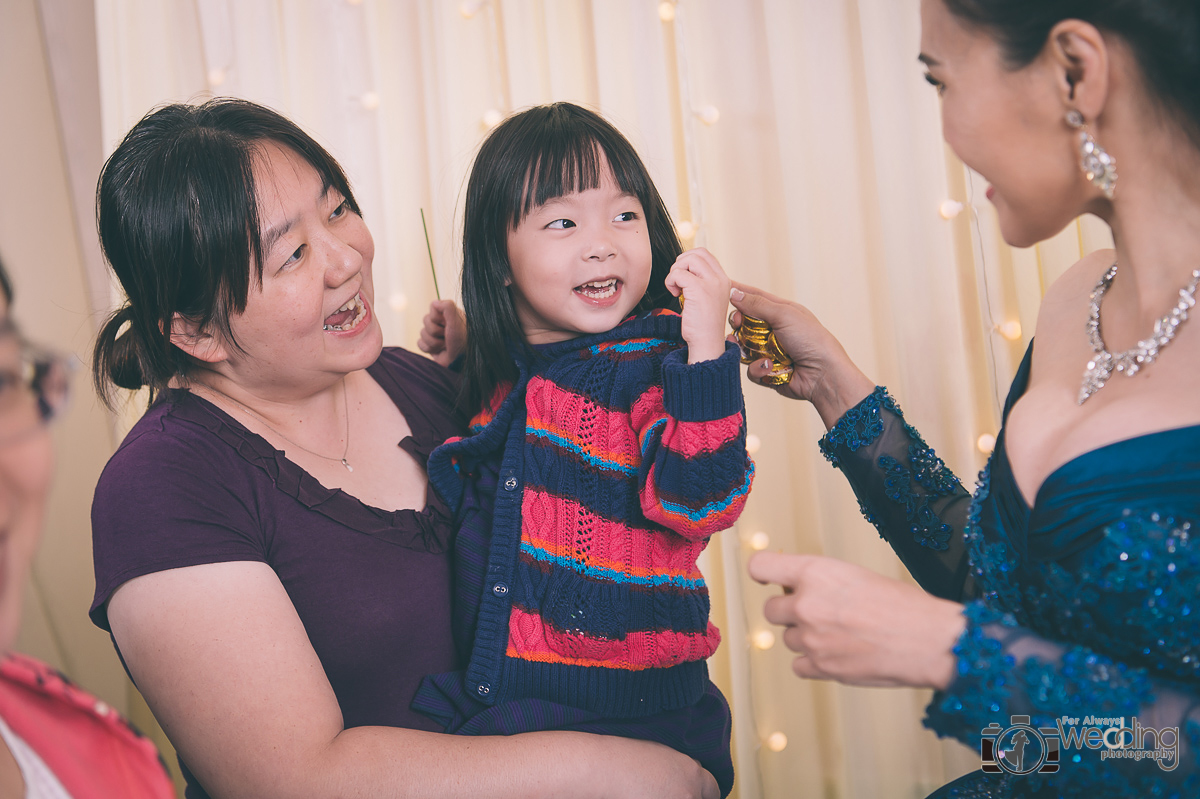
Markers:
point(1030, 225)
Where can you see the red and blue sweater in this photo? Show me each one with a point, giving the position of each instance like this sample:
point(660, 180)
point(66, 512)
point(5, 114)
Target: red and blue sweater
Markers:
point(601, 475)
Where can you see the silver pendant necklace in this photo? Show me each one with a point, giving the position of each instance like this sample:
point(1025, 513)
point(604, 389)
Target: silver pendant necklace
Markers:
point(249, 410)
point(1103, 363)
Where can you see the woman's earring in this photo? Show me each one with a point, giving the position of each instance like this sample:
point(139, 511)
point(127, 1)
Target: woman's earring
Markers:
point(1099, 167)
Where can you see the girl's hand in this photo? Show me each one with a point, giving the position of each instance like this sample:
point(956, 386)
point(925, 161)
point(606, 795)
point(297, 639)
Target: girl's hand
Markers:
point(822, 372)
point(444, 332)
point(699, 278)
point(857, 627)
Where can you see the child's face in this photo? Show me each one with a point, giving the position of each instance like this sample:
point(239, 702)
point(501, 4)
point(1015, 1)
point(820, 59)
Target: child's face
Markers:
point(580, 263)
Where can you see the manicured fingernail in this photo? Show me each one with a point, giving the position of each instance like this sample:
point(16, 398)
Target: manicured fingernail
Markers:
point(736, 294)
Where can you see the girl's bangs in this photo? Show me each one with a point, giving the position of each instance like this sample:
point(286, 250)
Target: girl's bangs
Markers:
point(578, 163)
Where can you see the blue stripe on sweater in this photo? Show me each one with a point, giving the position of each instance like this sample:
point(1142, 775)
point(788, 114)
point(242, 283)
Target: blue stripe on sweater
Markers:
point(712, 507)
point(631, 346)
point(571, 446)
point(612, 575)
point(652, 435)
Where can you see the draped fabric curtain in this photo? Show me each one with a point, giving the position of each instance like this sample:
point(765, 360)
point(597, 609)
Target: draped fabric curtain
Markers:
point(796, 139)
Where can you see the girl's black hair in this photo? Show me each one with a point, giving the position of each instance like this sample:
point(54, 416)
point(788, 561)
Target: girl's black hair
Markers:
point(177, 212)
point(529, 159)
point(1164, 36)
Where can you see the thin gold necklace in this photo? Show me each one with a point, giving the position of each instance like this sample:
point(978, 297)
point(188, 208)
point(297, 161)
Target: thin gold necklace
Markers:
point(252, 412)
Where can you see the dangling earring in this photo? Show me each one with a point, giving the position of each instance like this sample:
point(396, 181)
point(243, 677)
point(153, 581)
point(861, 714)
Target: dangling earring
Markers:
point(1099, 167)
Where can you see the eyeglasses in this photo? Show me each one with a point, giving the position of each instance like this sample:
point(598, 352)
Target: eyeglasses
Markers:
point(33, 387)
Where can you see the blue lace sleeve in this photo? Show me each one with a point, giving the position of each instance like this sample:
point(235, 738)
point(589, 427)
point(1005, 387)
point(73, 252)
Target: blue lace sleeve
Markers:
point(905, 490)
point(1010, 680)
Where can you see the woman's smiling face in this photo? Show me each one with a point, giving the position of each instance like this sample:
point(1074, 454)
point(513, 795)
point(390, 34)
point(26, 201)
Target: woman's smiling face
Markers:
point(1008, 125)
point(313, 313)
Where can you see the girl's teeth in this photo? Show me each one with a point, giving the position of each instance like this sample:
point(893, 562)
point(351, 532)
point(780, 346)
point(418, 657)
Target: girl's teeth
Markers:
point(599, 289)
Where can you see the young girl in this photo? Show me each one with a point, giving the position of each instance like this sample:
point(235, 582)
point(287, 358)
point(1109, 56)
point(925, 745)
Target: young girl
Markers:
point(610, 446)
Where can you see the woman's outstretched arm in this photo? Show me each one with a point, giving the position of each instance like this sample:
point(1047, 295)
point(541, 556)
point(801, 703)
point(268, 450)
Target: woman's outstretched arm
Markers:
point(918, 505)
point(225, 664)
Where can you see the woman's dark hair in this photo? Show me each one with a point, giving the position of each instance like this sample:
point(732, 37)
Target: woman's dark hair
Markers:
point(529, 159)
point(177, 211)
point(1164, 36)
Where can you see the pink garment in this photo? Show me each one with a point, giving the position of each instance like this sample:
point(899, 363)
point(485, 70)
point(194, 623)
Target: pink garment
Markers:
point(93, 751)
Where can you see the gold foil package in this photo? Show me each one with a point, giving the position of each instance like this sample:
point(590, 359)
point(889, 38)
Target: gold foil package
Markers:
point(758, 341)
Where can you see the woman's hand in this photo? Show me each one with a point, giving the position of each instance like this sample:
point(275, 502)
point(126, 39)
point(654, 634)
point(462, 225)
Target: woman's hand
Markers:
point(444, 332)
point(857, 627)
point(697, 276)
point(822, 372)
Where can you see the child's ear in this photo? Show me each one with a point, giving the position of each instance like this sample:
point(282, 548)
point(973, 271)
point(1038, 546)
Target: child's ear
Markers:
point(187, 336)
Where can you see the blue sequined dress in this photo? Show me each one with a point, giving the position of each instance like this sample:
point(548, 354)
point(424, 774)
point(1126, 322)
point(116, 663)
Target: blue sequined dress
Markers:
point(1081, 610)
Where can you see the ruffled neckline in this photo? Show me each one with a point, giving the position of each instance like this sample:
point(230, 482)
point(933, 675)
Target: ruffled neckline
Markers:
point(1077, 498)
point(428, 529)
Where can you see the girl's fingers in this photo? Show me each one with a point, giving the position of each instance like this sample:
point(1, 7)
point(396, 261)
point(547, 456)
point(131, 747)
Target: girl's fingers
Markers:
point(702, 256)
point(700, 262)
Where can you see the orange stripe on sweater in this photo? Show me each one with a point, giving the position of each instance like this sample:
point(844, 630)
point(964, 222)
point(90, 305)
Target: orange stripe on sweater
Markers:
point(568, 529)
point(530, 638)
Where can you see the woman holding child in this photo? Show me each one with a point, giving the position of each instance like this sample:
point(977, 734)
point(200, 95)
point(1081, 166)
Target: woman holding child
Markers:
point(270, 563)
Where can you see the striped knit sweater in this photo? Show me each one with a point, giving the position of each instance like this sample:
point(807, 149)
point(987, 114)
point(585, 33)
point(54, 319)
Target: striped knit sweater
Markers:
point(616, 462)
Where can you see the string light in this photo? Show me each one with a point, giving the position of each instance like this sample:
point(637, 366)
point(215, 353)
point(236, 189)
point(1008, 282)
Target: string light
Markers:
point(753, 443)
point(776, 742)
point(986, 443)
point(950, 209)
point(354, 2)
point(708, 114)
point(369, 100)
point(666, 12)
point(216, 77)
point(398, 301)
point(470, 8)
point(759, 541)
point(763, 639)
point(685, 230)
point(492, 117)
point(1011, 330)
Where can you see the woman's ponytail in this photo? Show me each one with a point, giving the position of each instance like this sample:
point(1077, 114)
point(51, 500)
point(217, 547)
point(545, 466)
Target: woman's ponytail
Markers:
point(117, 359)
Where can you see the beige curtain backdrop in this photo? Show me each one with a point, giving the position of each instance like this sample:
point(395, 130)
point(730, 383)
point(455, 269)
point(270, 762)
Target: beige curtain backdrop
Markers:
point(796, 139)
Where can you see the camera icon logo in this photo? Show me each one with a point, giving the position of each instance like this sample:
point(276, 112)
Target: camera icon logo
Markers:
point(1019, 748)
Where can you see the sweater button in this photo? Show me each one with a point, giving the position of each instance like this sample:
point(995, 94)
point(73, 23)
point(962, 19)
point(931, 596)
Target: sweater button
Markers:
point(483, 689)
point(500, 589)
point(510, 484)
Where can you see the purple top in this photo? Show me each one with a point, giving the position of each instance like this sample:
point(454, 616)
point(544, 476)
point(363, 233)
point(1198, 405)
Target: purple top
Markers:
point(190, 485)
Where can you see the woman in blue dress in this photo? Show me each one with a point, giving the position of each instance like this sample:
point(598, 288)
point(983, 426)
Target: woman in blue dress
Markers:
point(1059, 622)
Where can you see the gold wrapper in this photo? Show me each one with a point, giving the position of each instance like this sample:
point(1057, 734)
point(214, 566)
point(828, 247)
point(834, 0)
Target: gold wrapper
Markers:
point(758, 341)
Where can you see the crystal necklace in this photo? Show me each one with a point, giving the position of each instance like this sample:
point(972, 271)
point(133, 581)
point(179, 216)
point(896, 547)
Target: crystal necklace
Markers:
point(270, 427)
point(1104, 363)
